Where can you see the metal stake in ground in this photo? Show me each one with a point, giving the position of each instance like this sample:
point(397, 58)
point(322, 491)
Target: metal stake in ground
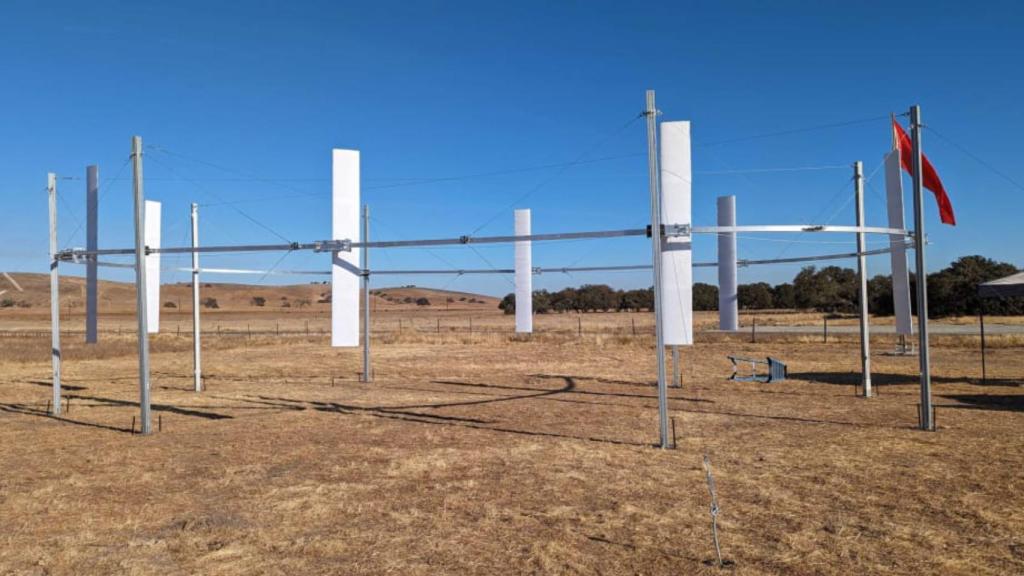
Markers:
point(198, 372)
point(145, 426)
point(862, 274)
point(654, 176)
point(51, 188)
point(921, 275)
point(714, 507)
point(676, 373)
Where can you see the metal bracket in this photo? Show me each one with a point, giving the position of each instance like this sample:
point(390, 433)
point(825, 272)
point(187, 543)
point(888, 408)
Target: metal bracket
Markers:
point(465, 239)
point(332, 246)
point(674, 230)
point(536, 270)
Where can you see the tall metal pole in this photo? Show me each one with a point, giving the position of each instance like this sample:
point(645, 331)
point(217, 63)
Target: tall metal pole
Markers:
point(51, 188)
point(654, 176)
point(91, 243)
point(925, 416)
point(140, 285)
point(367, 374)
point(196, 350)
point(862, 275)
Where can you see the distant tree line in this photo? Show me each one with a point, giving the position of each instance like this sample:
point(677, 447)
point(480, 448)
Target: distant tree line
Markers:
point(586, 298)
point(832, 289)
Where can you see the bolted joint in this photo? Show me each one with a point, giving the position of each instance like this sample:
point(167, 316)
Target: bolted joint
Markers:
point(465, 239)
point(332, 246)
point(675, 230)
point(672, 230)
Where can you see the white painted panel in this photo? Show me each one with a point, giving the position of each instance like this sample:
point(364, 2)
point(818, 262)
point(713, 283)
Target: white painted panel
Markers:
point(677, 252)
point(524, 274)
point(345, 271)
point(152, 237)
point(900, 274)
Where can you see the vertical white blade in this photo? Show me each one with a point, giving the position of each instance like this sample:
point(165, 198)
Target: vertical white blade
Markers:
point(152, 236)
point(523, 274)
point(345, 271)
point(728, 295)
point(677, 253)
point(897, 245)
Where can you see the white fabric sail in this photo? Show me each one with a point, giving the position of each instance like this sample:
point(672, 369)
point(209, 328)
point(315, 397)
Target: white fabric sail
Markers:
point(345, 270)
point(897, 244)
point(676, 291)
point(523, 274)
point(151, 234)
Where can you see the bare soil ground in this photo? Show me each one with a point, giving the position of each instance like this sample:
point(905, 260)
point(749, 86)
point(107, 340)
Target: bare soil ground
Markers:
point(482, 453)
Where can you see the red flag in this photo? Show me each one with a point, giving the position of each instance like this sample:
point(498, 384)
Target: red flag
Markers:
point(931, 177)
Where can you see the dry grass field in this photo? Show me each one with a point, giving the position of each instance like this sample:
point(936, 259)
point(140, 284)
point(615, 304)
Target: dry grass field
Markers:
point(482, 453)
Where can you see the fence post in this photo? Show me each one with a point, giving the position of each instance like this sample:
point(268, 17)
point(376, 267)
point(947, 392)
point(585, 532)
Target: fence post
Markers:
point(753, 330)
point(824, 331)
point(984, 371)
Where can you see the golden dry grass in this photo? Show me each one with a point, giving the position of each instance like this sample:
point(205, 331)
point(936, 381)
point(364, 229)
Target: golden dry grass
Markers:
point(484, 453)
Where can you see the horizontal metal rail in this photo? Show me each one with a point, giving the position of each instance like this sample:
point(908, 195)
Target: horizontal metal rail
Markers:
point(671, 230)
point(536, 270)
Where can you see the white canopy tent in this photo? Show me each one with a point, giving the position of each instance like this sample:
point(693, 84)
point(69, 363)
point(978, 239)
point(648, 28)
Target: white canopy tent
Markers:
point(1006, 287)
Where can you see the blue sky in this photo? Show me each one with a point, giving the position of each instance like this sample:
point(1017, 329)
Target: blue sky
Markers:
point(239, 105)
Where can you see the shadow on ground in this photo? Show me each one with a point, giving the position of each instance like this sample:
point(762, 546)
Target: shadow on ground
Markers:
point(885, 379)
point(1007, 402)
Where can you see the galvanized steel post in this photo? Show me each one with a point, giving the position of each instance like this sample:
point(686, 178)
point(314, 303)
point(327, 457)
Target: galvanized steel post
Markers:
point(921, 275)
point(651, 112)
point(140, 285)
point(862, 274)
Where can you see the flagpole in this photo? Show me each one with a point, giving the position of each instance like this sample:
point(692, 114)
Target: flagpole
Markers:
point(925, 412)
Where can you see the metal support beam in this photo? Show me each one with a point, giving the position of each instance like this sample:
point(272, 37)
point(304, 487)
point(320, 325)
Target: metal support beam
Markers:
point(51, 189)
point(367, 375)
point(669, 230)
point(862, 276)
point(91, 243)
point(654, 176)
point(140, 285)
point(925, 417)
point(196, 326)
